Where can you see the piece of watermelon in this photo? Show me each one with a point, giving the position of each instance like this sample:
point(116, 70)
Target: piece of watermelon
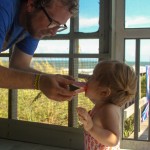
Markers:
point(78, 87)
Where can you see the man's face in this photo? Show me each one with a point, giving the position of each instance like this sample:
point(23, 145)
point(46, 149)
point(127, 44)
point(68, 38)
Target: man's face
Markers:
point(47, 20)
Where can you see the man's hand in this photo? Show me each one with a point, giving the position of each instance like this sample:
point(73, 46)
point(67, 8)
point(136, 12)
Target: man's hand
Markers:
point(56, 86)
point(85, 118)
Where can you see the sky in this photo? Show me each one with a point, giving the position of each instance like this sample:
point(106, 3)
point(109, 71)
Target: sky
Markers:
point(137, 15)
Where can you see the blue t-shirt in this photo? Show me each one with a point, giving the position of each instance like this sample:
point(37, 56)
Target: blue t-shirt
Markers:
point(10, 30)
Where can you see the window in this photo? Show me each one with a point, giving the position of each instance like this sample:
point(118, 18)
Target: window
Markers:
point(74, 52)
point(132, 46)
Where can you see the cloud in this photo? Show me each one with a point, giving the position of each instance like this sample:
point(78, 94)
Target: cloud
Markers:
point(53, 46)
point(91, 47)
point(88, 22)
point(131, 22)
point(138, 21)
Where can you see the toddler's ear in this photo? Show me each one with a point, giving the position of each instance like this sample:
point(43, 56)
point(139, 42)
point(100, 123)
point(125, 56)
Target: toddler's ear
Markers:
point(105, 91)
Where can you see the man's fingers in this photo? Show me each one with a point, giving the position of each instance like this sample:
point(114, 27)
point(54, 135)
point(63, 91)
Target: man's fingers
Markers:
point(64, 79)
point(63, 94)
point(66, 92)
point(68, 77)
point(61, 98)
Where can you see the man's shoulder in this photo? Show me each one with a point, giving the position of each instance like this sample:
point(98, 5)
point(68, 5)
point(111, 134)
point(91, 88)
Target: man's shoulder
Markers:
point(9, 4)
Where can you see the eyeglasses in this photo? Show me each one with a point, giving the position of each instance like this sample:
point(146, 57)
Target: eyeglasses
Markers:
point(53, 23)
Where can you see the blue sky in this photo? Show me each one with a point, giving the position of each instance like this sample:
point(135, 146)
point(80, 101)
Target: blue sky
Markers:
point(88, 15)
point(138, 7)
point(137, 15)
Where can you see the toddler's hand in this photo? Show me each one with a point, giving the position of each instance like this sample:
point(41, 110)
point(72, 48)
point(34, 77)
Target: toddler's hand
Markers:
point(85, 118)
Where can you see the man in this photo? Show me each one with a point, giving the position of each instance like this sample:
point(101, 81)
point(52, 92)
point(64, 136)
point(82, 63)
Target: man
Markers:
point(23, 23)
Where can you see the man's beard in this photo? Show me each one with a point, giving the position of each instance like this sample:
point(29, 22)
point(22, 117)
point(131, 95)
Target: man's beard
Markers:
point(29, 25)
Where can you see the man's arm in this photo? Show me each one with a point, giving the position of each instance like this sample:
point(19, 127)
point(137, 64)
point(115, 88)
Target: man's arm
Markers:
point(20, 60)
point(14, 79)
point(53, 86)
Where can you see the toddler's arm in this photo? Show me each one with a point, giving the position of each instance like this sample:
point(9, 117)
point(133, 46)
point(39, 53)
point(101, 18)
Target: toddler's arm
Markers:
point(85, 118)
point(108, 134)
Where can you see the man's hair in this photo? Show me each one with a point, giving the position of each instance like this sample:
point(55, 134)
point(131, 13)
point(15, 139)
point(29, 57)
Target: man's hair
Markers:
point(71, 5)
point(120, 78)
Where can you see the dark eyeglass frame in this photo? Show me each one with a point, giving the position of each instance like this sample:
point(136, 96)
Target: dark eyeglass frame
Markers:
point(60, 27)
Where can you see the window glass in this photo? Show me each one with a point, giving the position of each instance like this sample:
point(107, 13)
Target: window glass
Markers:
point(88, 15)
point(53, 46)
point(4, 92)
point(4, 103)
point(144, 94)
point(137, 14)
point(51, 65)
point(144, 54)
point(36, 107)
point(4, 61)
point(6, 51)
point(145, 84)
point(67, 30)
point(86, 65)
point(130, 51)
point(89, 46)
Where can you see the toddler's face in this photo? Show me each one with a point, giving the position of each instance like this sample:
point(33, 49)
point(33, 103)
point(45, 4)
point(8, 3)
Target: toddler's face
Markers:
point(92, 89)
point(93, 86)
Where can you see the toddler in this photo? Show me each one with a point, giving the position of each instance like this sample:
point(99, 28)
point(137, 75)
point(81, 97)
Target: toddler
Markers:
point(111, 85)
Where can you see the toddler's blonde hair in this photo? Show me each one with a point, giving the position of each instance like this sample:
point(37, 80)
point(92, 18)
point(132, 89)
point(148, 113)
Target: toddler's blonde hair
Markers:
point(120, 78)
